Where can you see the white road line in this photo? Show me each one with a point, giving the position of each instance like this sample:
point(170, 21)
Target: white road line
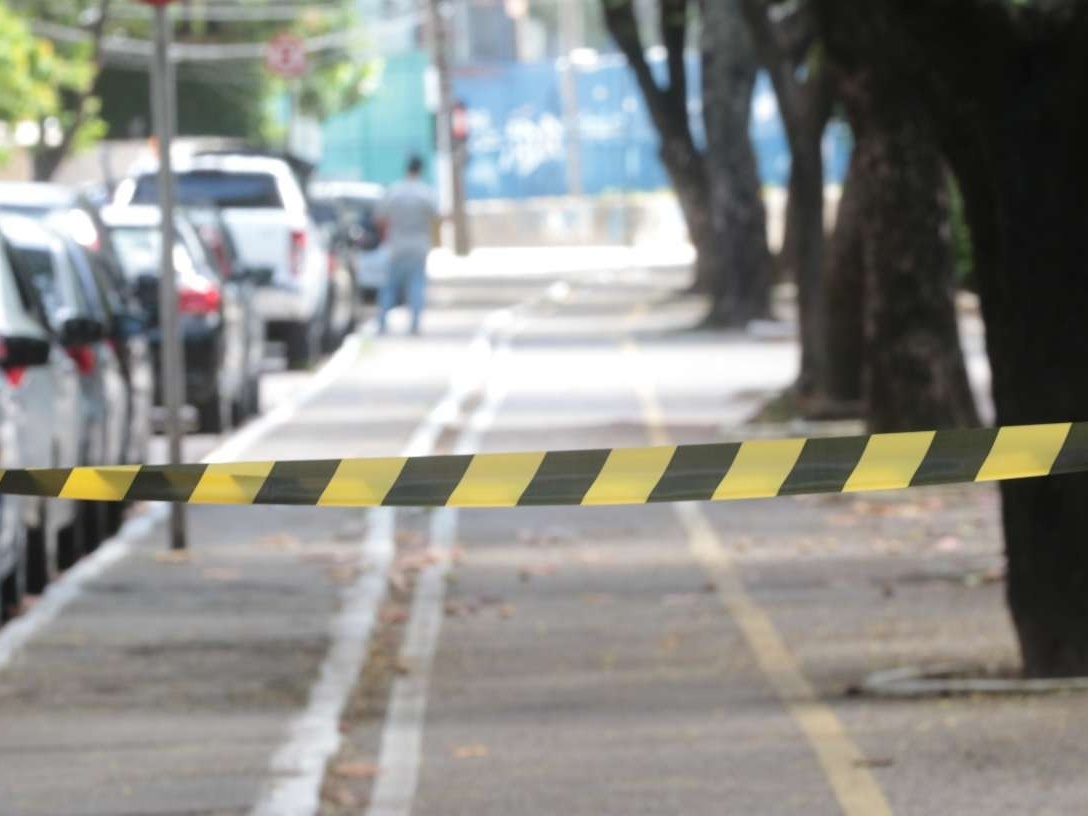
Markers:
point(17, 634)
point(298, 767)
point(402, 734)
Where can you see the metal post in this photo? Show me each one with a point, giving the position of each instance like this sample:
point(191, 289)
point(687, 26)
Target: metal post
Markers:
point(170, 346)
point(571, 36)
point(447, 146)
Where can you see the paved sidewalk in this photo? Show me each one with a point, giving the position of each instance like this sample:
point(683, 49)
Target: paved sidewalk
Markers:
point(168, 685)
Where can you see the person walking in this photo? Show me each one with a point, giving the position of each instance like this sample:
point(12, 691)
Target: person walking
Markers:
point(407, 215)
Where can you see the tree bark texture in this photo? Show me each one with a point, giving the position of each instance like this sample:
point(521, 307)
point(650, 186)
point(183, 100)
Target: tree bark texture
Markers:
point(1006, 90)
point(667, 106)
point(844, 293)
point(914, 373)
point(738, 218)
point(805, 105)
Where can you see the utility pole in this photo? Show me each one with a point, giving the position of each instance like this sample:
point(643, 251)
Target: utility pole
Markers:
point(162, 104)
point(450, 150)
point(570, 38)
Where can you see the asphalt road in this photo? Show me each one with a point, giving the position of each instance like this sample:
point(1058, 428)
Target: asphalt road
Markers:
point(652, 659)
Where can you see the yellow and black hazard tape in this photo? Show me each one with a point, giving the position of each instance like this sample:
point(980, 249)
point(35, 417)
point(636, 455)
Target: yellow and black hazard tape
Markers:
point(708, 472)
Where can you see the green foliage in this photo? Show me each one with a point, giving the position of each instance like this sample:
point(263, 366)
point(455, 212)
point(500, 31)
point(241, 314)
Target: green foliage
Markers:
point(338, 79)
point(42, 80)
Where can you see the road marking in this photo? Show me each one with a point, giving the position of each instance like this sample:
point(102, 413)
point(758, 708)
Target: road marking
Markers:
point(854, 786)
point(298, 767)
point(402, 734)
point(60, 593)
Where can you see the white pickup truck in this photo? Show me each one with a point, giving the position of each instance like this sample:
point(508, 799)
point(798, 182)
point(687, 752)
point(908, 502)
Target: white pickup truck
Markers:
point(265, 210)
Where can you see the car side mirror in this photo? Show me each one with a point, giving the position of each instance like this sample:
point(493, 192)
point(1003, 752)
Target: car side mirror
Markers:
point(258, 275)
point(24, 352)
point(81, 331)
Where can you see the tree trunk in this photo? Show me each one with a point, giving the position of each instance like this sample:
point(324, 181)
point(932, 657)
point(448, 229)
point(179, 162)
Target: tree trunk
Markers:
point(668, 108)
point(686, 169)
point(1011, 114)
point(805, 209)
point(738, 220)
point(844, 293)
point(47, 161)
point(1028, 228)
point(914, 376)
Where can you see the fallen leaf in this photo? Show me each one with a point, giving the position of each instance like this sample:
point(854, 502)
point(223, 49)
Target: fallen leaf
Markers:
point(949, 544)
point(339, 795)
point(596, 599)
point(282, 541)
point(221, 574)
point(401, 667)
point(174, 557)
point(470, 751)
point(393, 616)
point(875, 762)
point(507, 611)
point(536, 571)
point(356, 770)
point(344, 575)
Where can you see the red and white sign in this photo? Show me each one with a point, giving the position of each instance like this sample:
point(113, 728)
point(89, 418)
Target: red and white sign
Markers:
point(285, 55)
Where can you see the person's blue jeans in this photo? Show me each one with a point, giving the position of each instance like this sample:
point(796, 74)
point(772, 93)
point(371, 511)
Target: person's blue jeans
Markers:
point(405, 282)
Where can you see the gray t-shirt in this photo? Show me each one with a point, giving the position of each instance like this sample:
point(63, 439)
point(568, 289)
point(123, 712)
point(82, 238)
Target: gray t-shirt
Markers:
point(409, 208)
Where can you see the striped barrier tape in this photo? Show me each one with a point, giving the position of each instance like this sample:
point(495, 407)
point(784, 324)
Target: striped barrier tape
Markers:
point(714, 472)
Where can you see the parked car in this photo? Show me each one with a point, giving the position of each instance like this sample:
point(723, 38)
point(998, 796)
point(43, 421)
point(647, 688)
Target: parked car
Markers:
point(351, 211)
point(125, 327)
point(58, 269)
point(12, 520)
point(267, 214)
point(43, 384)
point(76, 214)
point(223, 254)
point(37, 199)
point(219, 324)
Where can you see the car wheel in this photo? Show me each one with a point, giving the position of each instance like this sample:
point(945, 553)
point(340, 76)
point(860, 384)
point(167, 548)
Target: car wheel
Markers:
point(38, 568)
point(13, 586)
point(213, 412)
point(303, 340)
point(70, 539)
point(92, 516)
point(253, 396)
point(115, 516)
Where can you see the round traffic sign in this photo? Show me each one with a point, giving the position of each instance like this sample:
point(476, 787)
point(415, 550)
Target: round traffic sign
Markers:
point(285, 55)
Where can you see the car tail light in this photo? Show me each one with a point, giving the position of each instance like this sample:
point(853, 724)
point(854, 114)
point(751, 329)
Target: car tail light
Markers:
point(83, 357)
point(298, 252)
point(203, 301)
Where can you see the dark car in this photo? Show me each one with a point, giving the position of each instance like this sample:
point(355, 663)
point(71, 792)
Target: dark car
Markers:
point(217, 323)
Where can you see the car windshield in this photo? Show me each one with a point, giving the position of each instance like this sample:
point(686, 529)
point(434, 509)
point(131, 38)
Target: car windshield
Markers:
point(138, 250)
point(139, 253)
point(223, 189)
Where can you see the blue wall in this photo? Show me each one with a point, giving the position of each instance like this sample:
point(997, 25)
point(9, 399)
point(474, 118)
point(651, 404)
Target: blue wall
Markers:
point(517, 146)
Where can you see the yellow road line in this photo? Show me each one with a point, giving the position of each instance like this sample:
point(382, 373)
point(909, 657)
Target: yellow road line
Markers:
point(855, 788)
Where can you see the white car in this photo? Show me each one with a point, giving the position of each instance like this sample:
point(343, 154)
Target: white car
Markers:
point(264, 208)
point(43, 383)
point(12, 521)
